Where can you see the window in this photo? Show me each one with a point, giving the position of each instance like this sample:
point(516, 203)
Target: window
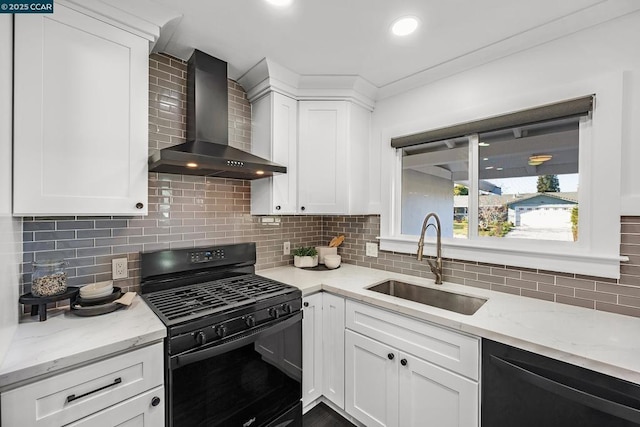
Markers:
point(484, 187)
point(531, 167)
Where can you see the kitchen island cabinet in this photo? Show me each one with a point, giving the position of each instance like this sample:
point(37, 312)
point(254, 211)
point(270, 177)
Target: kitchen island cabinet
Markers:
point(80, 115)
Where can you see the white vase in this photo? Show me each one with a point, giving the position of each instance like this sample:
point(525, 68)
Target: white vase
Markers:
point(305, 261)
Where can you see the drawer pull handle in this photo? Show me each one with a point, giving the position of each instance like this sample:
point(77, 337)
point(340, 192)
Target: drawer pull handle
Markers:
point(403, 362)
point(391, 356)
point(73, 397)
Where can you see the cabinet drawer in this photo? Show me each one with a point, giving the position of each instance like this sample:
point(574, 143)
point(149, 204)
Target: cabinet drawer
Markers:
point(451, 350)
point(136, 412)
point(75, 394)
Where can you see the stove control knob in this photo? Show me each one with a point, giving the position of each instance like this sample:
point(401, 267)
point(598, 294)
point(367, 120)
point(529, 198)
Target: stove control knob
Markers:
point(286, 308)
point(201, 338)
point(273, 312)
point(250, 321)
point(221, 331)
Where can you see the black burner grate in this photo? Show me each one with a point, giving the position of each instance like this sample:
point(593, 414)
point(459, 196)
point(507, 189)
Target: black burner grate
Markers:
point(203, 299)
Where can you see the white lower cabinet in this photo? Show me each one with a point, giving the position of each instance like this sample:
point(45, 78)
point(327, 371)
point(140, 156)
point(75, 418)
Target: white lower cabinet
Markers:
point(323, 348)
point(432, 396)
point(125, 390)
point(407, 372)
point(136, 412)
point(333, 348)
point(311, 348)
point(371, 381)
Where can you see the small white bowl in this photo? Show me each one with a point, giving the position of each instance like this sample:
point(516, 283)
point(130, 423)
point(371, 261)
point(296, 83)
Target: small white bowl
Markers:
point(97, 290)
point(332, 261)
point(100, 294)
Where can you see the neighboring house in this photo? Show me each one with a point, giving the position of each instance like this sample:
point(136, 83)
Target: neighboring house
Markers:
point(537, 210)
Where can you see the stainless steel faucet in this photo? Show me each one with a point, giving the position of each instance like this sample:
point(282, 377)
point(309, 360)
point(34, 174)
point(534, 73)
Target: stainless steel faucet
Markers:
point(436, 268)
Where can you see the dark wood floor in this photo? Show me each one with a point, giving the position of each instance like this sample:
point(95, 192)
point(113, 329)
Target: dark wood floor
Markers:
point(323, 416)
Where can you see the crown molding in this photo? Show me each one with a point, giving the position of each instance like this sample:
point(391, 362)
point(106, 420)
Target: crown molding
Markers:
point(157, 26)
point(268, 76)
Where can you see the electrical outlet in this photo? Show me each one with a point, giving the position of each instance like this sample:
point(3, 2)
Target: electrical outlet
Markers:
point(372, 250)
point(119, 268)
point(286, 248)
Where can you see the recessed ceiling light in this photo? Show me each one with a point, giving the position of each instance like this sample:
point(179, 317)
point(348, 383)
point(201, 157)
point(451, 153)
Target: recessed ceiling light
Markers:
point(483, 144)
point(404, 26)
point(489, 167)
point(485, 158)
point(192, 165)
point(280, 3)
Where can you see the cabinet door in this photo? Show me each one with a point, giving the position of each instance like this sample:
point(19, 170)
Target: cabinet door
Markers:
point(432, 396)
point(138, 411)
point(371, 381)
point(80, 116)
point(312, 348)
point(322, 157)
point(274, 128)
point(333, 348)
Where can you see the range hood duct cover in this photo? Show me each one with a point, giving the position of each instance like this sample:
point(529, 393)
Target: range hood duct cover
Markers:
point(207, 151)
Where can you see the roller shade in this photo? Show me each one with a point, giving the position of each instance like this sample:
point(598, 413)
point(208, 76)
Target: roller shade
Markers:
point(560, 110)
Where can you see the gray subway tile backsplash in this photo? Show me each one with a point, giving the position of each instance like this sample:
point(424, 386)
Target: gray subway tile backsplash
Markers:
point(189, 211)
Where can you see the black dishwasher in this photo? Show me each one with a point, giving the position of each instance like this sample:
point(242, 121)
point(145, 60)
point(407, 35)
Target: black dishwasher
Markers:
point(524, 389)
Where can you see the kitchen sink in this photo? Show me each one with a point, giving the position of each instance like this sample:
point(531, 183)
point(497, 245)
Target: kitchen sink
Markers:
point(458, 303)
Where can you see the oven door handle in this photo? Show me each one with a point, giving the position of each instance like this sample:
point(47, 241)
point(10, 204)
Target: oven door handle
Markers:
point(573, 393)
point(233, 343)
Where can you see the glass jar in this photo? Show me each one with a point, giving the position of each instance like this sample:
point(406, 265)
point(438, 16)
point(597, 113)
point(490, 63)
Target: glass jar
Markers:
point(48, 278)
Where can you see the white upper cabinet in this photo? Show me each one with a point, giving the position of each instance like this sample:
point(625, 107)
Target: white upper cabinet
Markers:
point(80, 116)
point(322, 157)
point(332, 157)
point(319, 128)
point(323, 144)
point(274, 133)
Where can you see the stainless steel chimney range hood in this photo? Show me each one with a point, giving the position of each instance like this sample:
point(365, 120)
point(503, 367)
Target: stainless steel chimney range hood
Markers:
point(207, 151)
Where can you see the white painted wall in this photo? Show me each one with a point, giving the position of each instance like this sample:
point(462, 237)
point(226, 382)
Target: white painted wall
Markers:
point(608, 48)
point(423, 193)
point(603, 60)
point(10, 228)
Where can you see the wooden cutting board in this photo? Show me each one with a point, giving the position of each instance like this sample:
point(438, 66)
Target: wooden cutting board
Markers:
point(336, 241)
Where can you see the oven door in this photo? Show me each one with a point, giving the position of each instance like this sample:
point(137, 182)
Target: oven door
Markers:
point(249, 380)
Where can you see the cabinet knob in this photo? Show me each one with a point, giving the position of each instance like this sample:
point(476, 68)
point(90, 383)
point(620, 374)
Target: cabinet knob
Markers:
point(391, 356)
point(302, 208)
point(155, 401)
point(278, 207)
point(403, 362)
point(139, 205)
point(306, 304)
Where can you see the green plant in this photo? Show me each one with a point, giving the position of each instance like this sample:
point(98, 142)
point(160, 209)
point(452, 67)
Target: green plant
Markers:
point(305, 251)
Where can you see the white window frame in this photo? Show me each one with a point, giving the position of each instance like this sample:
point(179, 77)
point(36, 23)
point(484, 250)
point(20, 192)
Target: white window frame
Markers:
point(597, 252)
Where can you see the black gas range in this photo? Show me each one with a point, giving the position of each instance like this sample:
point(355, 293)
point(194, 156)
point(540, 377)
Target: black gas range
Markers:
point(234, 344)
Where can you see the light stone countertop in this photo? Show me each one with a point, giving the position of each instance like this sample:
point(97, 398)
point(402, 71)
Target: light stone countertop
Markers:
point(604, 342)
point(66, 341)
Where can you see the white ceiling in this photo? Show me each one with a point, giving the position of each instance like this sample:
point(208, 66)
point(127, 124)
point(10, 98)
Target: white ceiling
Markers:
point(351, 37)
